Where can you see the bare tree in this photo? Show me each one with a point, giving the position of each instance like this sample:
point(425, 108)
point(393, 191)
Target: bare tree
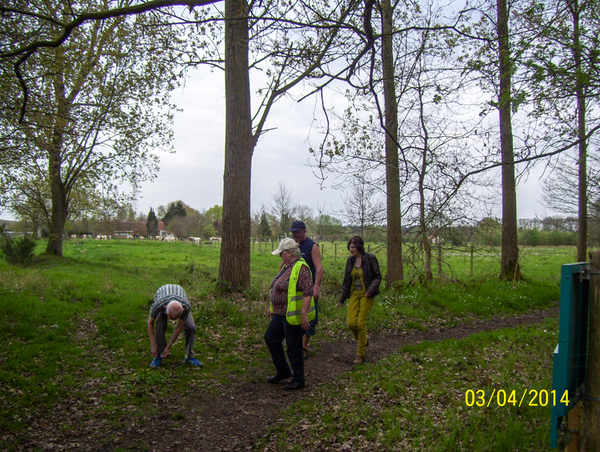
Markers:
point(364, 208)
point(283, 208)
point(304, 213)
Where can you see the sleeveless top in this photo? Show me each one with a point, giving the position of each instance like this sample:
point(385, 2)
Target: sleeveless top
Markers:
point(306, 247)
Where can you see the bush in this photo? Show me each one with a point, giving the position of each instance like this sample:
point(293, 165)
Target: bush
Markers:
point(17, 251)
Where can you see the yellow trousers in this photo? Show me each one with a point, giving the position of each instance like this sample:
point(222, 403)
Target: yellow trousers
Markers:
point(359, 307)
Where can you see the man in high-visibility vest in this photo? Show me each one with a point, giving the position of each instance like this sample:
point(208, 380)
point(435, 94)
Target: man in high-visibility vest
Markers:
point(292, 308)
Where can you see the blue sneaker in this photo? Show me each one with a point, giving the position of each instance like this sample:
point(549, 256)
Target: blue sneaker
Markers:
point(193, 362)
point(156, 362)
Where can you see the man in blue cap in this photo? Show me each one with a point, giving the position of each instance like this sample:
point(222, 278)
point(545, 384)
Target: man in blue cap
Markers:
point(312, 255)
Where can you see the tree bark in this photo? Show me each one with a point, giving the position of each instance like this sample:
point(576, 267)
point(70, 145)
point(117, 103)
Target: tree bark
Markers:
point(234, 264)
point(591, 405)
point(59, 208)
point(582, 232)
point(510, 268)
point(58, 190)
point(395, 270)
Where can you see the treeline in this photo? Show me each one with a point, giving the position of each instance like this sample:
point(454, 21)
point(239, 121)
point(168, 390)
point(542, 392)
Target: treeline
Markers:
point(181, 220)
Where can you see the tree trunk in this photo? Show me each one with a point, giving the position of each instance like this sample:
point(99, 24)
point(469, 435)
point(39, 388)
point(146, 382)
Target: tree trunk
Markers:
point(59, 208)
point(427, 256)
point(423, 225)
point(395, 271)
point(582, 233)
point(422, 200)
point(510, 250)
point(56, 228)
point(234, 265)
point(591, 405)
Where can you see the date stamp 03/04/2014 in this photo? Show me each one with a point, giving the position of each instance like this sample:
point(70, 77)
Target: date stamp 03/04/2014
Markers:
point(527, 397)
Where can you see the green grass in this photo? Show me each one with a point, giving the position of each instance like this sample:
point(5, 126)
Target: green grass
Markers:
point(74, 331)
point(416, 400)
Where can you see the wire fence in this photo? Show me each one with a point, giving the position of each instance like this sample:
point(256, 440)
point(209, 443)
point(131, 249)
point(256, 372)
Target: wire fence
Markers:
point(449, 261)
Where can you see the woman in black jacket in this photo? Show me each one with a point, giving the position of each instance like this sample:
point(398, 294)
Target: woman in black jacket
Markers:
point(361, 284)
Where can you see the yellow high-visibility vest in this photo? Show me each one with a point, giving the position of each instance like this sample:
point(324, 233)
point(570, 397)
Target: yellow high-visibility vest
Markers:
point(295, 297)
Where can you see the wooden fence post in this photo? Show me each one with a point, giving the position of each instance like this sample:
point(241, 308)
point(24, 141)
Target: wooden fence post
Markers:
point(574, 428)
point(472, 253)
point(439, 261)
point(590, 438)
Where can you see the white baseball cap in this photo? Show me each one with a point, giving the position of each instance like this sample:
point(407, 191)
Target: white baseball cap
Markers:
point(285, 245)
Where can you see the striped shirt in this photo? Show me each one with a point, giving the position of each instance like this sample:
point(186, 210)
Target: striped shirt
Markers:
point(167, 293)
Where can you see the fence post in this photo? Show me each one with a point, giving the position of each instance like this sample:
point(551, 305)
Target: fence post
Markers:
point(472, 253)
point(591, 403)
point(439, 260)
point(335, 252)
point(574, 426)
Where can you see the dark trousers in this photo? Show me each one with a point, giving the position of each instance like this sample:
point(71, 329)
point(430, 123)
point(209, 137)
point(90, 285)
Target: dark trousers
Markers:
point(189, 330)
point(278, 330)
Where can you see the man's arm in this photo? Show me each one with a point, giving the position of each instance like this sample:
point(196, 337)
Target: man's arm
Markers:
point(316, 258)
point(153, 348)
point(176, 333)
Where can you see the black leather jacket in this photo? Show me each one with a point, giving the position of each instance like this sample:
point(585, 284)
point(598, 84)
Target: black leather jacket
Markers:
point(371, 276)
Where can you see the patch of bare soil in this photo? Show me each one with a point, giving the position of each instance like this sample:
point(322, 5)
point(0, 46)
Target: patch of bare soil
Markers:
point(242, 412)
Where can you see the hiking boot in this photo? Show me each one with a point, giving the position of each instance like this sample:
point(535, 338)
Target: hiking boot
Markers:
point(293, 385)
point(277, 378)
point(193, 362)
point(156, 362)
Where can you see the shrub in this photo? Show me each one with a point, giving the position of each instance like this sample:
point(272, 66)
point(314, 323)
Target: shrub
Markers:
point(17, 251)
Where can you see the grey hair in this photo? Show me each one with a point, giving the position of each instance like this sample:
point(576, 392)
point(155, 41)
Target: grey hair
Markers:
point(174, 307)
point(295, 252)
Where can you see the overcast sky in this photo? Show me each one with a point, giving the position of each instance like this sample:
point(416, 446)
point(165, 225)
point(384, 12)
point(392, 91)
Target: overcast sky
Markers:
point(194, 174)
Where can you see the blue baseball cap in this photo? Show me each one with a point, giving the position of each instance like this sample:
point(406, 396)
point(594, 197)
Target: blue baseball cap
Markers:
point(297, 226)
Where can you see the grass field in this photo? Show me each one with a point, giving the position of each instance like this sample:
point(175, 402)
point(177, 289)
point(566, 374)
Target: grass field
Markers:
point(429, 398)
point(75, 328)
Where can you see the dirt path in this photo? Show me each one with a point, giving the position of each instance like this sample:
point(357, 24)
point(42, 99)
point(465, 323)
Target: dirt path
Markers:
point(231, 420)
point(234, 419)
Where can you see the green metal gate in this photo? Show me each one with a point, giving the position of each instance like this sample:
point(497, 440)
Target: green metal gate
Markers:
point(570, 355)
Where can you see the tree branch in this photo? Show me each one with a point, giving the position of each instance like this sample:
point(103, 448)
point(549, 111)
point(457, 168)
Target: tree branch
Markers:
point(25, 51)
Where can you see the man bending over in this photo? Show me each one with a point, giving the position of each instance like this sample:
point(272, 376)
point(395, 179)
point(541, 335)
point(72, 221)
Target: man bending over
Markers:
point(171, 303)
